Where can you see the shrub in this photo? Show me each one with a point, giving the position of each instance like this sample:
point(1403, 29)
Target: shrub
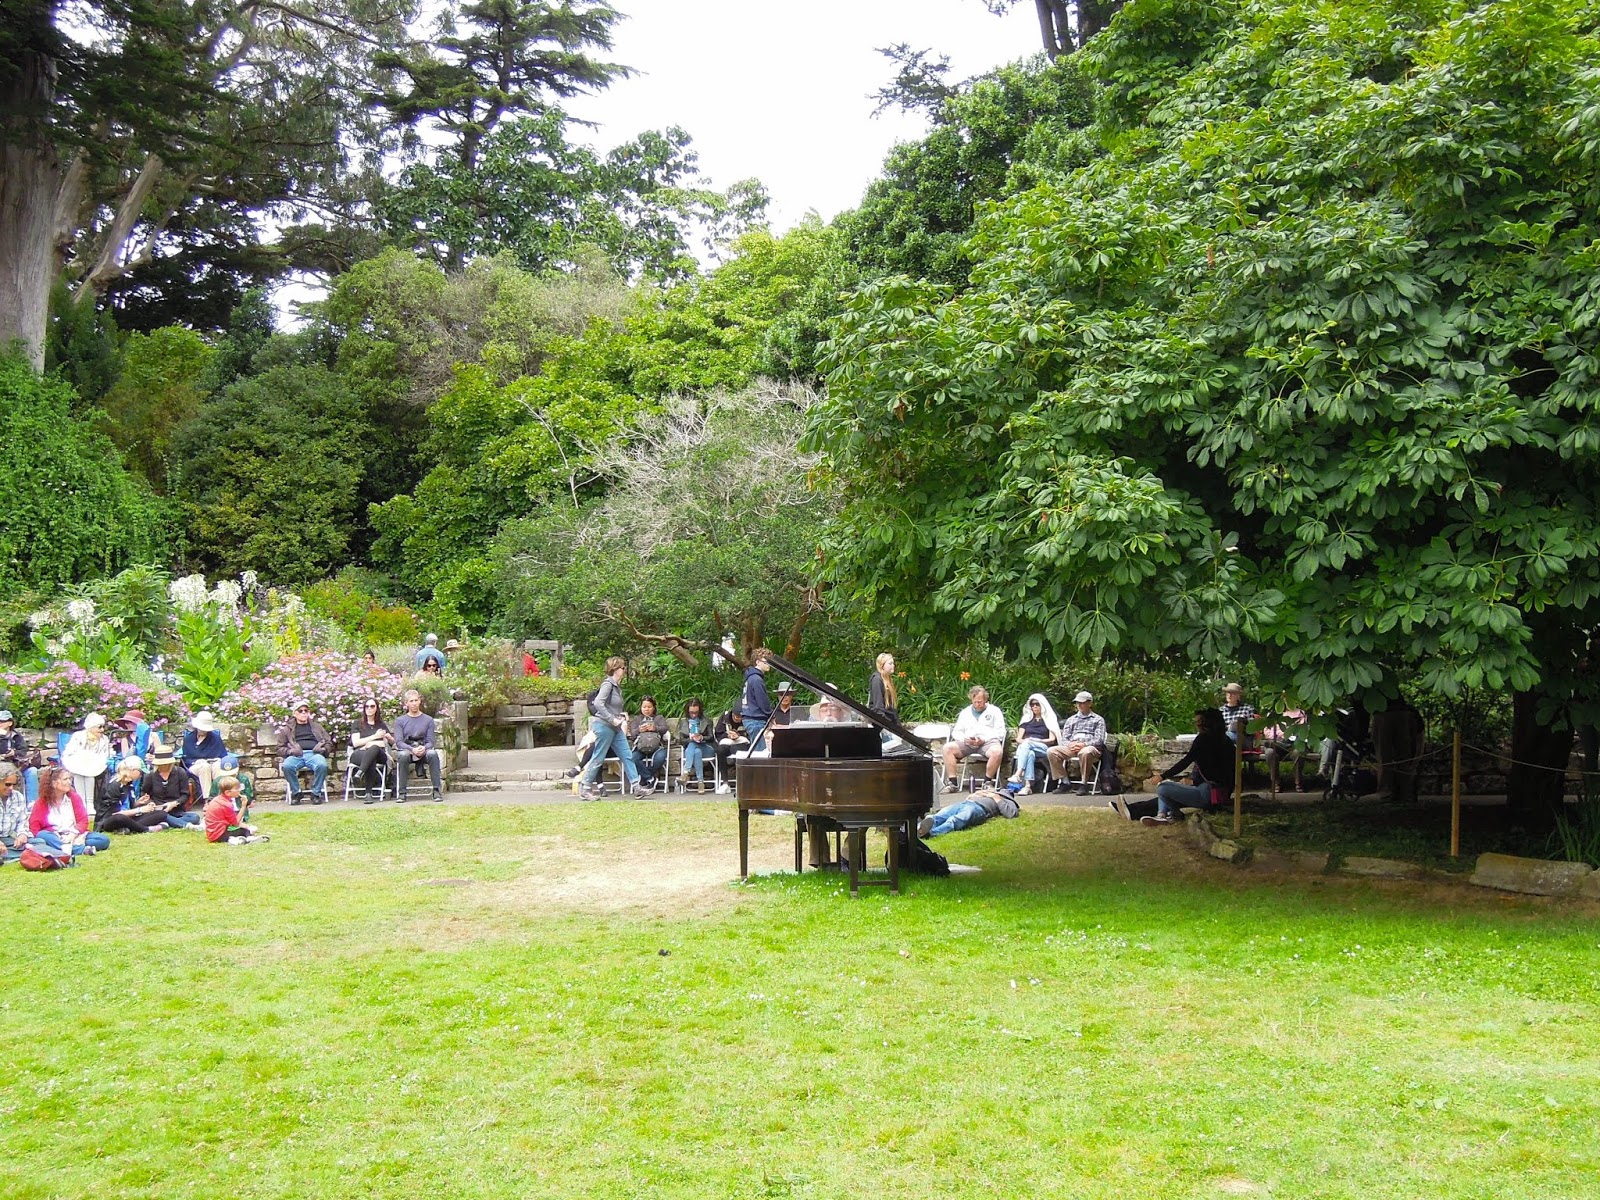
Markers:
point(333, 684)
point(215, 635)
point(64, 693)
point(397, 624)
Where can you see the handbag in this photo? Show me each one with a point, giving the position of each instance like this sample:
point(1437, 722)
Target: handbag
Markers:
point(40, 860)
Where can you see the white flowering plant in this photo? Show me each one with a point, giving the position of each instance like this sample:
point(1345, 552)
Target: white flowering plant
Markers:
point(77, 632)
point(217, 639)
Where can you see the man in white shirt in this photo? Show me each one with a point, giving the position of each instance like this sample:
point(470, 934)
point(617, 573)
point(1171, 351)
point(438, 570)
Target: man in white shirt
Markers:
point(979, 730)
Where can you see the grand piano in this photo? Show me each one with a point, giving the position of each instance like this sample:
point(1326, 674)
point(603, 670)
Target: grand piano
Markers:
point(835, 777)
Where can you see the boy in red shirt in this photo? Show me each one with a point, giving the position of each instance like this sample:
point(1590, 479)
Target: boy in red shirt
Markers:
point(223, 822)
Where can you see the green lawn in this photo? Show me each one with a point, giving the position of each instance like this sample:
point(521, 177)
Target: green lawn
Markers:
point(474, 1002)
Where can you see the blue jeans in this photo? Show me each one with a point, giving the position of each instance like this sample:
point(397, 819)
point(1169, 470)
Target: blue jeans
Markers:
point(1172, 795)
point(1030, 752)
point(753, 730)
point(179, 820)
point(30, 783)
point(309, 761)
point(608, 739)
point(652, 763)
point(963, 814)
point(694, 759)
point(49, 837)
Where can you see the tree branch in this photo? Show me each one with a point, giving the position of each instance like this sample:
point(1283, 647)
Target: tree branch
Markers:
point(109, 265)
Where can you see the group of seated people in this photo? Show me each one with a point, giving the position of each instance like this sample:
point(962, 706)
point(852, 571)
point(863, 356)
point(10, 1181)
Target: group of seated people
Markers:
point(1046, 747)
point(378, 752)
point(126, 781)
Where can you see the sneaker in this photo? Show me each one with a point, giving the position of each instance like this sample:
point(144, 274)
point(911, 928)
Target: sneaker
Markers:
point(1014, 779)
point(639, 790)
point(90, 850)
point(1119, 806)
point(367, 797)
point(259, 837)
point(924, 827)
point(992, 784)
point(588, 792)
point(1083, 789)
point(1158, 819)
point(400, 799)
point(1026, 789)
point(724, 790)
point(295, 798)
point(438, 797)
point(950, 786)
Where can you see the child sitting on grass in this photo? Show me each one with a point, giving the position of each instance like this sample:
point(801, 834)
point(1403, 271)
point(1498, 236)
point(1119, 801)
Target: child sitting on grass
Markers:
point(223, 821)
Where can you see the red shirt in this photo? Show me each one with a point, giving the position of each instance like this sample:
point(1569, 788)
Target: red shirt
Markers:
point(220, 816)
point(530, 665)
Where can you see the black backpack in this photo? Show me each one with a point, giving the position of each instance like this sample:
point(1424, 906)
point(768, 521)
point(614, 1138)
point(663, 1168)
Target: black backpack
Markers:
point(1109, 783)
point(921, 858)
point(588, 702)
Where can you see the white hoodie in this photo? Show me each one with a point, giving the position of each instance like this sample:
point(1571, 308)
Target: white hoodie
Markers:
point(1051, 721)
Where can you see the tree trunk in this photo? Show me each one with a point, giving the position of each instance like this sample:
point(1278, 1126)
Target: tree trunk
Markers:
point(109, 265)
point(30, 177)
point(1540, 755)
point(1054, 31)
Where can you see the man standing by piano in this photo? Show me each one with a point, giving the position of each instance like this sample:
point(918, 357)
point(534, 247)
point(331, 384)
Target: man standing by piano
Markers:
point(755, 706)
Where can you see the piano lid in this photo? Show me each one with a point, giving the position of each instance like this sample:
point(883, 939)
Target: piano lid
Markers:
point(805, 679)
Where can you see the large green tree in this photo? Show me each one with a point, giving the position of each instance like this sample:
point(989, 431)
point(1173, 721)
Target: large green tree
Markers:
point(69, 510)
point(122, 121)
point(1304, 367)
point(708, 527)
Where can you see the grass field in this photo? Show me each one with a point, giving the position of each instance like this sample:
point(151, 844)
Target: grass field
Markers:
point(576, 1001)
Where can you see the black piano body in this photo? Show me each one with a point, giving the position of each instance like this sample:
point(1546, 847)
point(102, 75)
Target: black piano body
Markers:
point(836, 778)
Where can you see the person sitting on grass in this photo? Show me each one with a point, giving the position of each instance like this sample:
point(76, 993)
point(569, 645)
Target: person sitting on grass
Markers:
point(171, 789)
point(979, 732)
point(1211, 755)
point(224, 820)
point(414, 733)
point(14, 806)
point(59, 820)
point(305, 746)
point(120, 805)
point(647, 735)
point(694, 731)
point(964, 814)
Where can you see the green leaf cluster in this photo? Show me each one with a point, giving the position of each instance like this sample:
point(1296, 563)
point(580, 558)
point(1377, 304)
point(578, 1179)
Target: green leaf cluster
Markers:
point(1305, 361)
point(69, 510)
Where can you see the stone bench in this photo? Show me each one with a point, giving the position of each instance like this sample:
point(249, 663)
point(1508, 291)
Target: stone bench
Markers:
point(522, 727)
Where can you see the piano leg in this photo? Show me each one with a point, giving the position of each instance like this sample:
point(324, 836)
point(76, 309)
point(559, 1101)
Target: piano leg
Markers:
point(850, 849)
point(744, 844)
point(894, 860)
point(799, 837)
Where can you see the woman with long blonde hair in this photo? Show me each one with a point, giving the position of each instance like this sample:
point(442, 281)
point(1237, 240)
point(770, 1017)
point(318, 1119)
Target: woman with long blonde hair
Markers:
point(881, 694)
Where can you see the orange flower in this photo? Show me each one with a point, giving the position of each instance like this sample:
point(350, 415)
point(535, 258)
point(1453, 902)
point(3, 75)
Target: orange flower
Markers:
point(912, 686)
point(966, 675)
point(899, 674)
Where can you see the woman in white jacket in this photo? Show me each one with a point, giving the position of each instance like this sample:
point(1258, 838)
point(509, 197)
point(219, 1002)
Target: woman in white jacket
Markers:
point(86, 754)
point(1037, 730)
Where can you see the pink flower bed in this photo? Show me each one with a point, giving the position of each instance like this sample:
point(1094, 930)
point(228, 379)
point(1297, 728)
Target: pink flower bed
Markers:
point(335, 685)
point(64, 694)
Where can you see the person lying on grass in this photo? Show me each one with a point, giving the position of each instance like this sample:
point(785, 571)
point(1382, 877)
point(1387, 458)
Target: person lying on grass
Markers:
point(224, 823)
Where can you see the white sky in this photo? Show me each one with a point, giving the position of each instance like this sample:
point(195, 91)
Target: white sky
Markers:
point(780, 91)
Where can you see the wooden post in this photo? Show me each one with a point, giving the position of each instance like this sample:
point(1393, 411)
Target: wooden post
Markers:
point(1238, 786)
point(1455, 797)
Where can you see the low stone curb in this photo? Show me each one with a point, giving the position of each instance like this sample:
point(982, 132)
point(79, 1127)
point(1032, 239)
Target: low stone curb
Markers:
point(1536, 876)
point(1199, 831)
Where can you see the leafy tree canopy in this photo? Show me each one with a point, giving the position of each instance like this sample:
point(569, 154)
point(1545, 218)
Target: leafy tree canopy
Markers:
point(708, 526)
point(1306, 361)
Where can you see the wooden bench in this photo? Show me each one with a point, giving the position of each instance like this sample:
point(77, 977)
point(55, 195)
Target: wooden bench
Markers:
point(522, 727)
